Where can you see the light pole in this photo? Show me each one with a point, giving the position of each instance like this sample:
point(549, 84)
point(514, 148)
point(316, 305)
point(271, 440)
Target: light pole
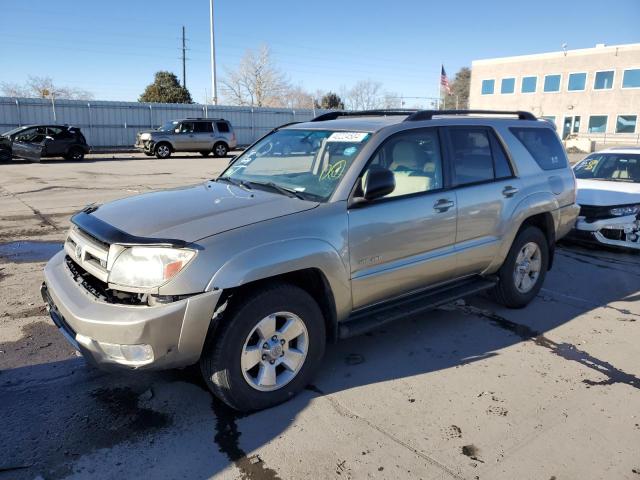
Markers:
point(214, 88)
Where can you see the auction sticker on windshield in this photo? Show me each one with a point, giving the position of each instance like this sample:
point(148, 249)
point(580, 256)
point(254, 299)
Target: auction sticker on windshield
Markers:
point(352, 137)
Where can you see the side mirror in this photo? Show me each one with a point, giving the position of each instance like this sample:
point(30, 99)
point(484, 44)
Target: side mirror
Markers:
point(48, 138)
point(377, 183)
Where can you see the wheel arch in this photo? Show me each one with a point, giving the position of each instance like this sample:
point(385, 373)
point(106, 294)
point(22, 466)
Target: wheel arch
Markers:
point(164, 141)
point(539, 210)
point(311, 264)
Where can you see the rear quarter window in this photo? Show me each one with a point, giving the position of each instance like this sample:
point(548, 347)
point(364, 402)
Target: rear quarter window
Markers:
point(543, 145)
point(223, 127)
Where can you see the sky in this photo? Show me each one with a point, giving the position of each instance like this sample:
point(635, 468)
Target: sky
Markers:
point(112, 48)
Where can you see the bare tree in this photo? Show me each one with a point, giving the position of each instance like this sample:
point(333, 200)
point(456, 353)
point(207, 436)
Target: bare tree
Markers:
point(364, 95)
point(13, 90)
point(43, 87)
point(257, 81)
point(298, 97)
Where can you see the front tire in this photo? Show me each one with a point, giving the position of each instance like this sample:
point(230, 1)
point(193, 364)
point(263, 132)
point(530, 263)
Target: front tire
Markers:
point(522, 273)
point(163, 150)
point(220, 149)
point(267, 348)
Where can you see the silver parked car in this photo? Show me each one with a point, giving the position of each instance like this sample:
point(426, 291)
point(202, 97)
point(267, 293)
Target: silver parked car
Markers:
point(367, 217)
point(204, 135)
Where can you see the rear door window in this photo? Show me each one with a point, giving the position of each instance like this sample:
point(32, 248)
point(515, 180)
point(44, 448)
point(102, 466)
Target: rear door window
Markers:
point(203, 127)
point(477, 155)
point(543, 145)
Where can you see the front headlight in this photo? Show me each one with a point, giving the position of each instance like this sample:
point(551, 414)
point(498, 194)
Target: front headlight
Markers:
point(145, 267)
point(627, 210)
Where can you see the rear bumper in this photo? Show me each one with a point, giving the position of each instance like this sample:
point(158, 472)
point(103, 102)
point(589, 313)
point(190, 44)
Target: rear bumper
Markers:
point(175, 332)
point(567, 217)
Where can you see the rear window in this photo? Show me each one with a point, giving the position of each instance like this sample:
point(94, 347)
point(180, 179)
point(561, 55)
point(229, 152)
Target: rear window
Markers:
point(543, 145)
point(223, 127)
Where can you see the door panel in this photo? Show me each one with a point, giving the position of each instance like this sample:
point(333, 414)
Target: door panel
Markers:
point(401, 245)
point(483, 213)
point(487, 193)
point(30, 151)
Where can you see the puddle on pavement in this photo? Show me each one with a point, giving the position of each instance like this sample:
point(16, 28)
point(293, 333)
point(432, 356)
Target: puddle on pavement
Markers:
point(29, 251)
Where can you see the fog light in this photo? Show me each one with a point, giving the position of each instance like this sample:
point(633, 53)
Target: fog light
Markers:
point(128, 353)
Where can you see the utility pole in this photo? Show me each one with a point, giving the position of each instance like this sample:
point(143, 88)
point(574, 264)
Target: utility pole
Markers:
point(184, 59)
point(214, 87)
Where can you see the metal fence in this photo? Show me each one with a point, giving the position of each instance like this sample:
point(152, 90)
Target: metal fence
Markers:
point(115, 124)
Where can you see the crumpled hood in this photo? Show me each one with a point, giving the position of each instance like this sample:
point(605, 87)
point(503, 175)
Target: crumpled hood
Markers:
point(603, 193)
point(192, 213)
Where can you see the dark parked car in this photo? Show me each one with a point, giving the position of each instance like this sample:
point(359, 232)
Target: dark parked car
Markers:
point(34, 142)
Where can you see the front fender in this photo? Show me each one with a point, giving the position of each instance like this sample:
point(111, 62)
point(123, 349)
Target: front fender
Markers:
point(277, 258)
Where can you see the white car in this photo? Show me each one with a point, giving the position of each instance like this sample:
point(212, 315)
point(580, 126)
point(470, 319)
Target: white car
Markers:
point(608, 184)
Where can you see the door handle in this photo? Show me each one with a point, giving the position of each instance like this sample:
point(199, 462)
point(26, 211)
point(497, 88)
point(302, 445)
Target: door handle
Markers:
point(443, 205)
point(509, 191)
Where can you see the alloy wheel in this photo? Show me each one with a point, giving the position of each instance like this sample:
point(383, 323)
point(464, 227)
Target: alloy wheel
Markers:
point(274, 351)
point(527, 268)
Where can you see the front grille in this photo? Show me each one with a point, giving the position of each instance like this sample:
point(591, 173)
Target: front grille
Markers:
point(88, 252)
point(99, 289)
point(594, 212)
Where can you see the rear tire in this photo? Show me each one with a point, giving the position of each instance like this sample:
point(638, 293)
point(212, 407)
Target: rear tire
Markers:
point(75, 153)
point(523, 271)
point(220, 149)
point(163, 150)
point(241, 352)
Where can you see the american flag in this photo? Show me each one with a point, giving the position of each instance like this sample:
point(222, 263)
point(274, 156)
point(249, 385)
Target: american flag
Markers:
point(444, 81)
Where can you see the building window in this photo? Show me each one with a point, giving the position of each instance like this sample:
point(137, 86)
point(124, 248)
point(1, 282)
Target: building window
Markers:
point(577, 82)
point(626, 124)
point(603, 80)
point(631, 78)
point(508, 85)
point(552, 83)
point(488, 86)
point(529, 84)
point(597, 124)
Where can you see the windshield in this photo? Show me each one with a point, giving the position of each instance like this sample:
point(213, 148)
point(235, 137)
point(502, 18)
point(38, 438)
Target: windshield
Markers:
point(310, 163)
point(168, 126)
point(11, 132)
point(617, 167)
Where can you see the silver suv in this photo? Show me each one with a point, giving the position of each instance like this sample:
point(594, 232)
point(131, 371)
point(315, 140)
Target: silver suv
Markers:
point(204, 135)
point(363, 218)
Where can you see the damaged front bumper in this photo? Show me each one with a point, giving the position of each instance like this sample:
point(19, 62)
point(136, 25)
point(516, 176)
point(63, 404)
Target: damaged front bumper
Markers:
point(615, 231)
point(126, 336)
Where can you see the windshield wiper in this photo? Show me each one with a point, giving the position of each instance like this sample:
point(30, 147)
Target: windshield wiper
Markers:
point(238, 183)
point(289, 192)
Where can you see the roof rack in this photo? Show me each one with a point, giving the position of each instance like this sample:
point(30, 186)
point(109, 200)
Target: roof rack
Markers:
point(429, 114)
point(362, 113)
point(202, 118)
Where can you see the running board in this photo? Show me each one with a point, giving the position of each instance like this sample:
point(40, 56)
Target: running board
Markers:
point(370, 318)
